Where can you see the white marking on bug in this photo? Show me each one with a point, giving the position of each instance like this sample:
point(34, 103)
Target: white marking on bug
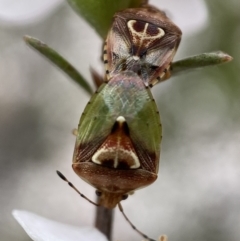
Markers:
point(102, 151)
point(137, 163)
point(144, 35)
point(95, 157)
point(117, 151)
point(121, 119)
point(135, 57)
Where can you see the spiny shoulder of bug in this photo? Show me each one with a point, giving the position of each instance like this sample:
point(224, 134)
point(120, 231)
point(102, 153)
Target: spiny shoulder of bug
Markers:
point(141, 40)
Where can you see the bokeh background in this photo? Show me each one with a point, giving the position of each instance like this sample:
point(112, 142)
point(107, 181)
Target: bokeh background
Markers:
point(197, 195)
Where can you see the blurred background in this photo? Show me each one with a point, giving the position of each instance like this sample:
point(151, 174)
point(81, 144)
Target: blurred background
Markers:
point(197, 194)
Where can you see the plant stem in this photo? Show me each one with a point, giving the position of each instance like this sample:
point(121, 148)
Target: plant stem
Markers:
point(104, 221)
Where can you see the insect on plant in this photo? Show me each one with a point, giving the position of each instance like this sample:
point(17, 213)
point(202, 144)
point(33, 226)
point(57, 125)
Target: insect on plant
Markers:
point(119, 134)
point(118, 138)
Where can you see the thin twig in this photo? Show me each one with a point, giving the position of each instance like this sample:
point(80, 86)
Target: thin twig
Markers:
point(104, 221)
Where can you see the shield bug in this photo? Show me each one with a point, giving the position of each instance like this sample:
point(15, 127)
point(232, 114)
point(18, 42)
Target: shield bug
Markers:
point(143, 40)
point(118, 139)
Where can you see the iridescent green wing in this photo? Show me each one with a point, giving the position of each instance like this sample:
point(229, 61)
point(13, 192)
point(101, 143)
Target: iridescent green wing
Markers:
point(127, 96)
point(94, 126)
point(146, 131)
point(124, 95)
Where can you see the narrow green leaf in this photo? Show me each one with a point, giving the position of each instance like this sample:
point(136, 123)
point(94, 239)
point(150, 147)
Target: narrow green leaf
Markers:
point(199, 61)
point(99, 13)
point(59, 61)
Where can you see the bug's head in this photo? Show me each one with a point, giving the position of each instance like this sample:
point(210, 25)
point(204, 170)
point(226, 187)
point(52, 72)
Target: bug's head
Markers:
point(110, 200)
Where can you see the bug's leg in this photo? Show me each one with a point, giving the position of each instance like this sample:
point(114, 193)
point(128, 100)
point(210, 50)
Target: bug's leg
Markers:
point(199, 61)
point(72, 186)
point(138, 231)
point(166, 74)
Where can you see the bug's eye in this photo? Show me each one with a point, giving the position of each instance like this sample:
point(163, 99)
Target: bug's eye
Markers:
point(98, 193)
point(124, 197)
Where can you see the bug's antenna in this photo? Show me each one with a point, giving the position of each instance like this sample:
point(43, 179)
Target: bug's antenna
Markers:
point(72, 186)
point(138, 231)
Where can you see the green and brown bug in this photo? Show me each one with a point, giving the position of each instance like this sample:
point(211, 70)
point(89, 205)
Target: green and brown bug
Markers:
point(118, 139)
point(143, 40)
